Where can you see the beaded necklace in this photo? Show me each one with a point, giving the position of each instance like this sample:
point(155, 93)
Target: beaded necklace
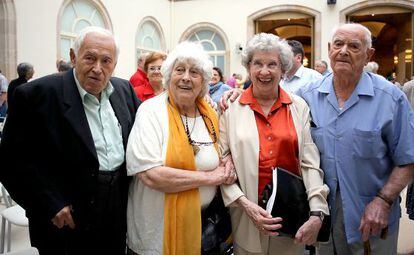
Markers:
point(195, 144)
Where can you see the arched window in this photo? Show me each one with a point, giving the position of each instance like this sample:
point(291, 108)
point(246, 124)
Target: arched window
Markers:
point(213, 43)
point(149, 37)
point(76, 15)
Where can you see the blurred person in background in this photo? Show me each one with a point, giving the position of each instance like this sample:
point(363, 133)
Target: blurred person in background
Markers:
point(298, 76)
point(63, 66)
point(371, 67)
point(217, 85)
point(322, 67)
point(25, 72)
point(152, 69)
point(3, 96)
point(231, 81)
point(139, 78)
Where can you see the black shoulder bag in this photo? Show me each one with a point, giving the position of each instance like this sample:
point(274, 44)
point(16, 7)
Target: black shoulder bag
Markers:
point(216, 228)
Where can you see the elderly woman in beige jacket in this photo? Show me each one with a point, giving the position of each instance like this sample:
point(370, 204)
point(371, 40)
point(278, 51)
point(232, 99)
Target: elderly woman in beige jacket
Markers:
point(264, 128)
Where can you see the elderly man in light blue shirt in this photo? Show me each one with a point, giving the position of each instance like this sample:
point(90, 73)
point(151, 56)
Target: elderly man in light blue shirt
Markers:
point(364, 129)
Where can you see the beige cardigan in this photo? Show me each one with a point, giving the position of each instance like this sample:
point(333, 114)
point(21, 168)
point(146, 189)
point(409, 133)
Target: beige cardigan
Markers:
point(239, 136)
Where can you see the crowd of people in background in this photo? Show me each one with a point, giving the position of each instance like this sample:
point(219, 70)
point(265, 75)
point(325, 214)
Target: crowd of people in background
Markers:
point(147, 166)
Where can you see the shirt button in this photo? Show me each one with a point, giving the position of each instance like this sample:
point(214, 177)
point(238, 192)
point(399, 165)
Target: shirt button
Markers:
point(269, 138)
point(268, 124)
point(270, 152)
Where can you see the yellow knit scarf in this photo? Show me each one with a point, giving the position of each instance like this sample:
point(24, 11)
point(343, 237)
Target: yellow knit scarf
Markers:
point(182, 210)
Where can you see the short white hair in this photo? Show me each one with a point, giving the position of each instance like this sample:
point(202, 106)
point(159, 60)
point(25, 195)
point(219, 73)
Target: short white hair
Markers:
point(98, 30)
point(367, 33)
point(188, 51)
point(268, 42)
point(371, 67)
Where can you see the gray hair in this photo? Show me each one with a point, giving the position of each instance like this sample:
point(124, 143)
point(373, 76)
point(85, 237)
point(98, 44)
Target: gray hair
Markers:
point(98, 30)
point(186, 51)
point(323, 62)
point(24, 68)
point(367, 33)
point(64, 66)
point(268, 42)
point(371, 67)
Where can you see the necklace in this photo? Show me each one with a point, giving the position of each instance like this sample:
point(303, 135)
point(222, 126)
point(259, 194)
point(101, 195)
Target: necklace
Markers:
point(195, 144)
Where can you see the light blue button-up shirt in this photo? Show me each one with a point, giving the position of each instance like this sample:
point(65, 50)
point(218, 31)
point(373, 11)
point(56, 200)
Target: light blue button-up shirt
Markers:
point(105, 128)
point(301, 78)
point(361, 143)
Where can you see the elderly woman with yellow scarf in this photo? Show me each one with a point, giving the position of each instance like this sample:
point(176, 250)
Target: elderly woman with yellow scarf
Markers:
point(173, 156)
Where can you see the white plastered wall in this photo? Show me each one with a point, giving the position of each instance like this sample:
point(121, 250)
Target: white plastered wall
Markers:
point(37, 26)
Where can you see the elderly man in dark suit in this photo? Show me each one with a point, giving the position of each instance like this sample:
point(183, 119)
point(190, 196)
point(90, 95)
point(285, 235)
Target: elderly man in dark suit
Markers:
point(63, 157)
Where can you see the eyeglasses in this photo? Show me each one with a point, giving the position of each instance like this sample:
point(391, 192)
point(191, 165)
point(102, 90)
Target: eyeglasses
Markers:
point(257, 65)
point(154, 68)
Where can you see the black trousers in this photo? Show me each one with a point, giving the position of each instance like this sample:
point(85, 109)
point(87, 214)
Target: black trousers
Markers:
point(100, 228)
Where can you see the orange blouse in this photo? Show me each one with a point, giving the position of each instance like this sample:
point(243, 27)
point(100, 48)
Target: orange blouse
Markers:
point(277, 136)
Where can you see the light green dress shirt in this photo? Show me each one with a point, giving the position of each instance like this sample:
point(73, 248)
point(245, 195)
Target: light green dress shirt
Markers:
point(105, 128)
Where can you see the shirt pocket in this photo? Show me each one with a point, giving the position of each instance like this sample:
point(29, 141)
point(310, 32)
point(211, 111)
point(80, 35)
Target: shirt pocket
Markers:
point(317, 136)
point(368, 144)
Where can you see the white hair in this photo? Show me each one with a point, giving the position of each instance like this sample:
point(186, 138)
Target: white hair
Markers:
point(367, 33)
point(186, 51)
point(93, 29)
point(371, 67)
point(268, 42)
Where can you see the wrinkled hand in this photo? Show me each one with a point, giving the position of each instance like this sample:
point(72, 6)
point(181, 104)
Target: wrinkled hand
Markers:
point(64, 218)
point(227, 162)
point(374, 219)
point(223, 175)
point(211, 102)
point(261, 218)
point(231, 94)
point(308, 233)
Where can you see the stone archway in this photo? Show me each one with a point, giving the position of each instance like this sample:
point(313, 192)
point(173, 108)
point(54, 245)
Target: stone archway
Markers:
point(8, 44)
point(392, 28)
point(294, 9)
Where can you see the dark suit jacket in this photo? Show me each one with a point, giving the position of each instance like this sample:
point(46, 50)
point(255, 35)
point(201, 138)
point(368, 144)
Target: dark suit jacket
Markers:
point(12, 87)
point(48, 157)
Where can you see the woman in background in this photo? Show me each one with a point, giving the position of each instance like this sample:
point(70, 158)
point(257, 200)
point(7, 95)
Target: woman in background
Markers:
point(217, 85)
point(152, 68)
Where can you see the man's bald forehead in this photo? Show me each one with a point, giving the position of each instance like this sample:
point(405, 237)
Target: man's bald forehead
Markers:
point(365, 34)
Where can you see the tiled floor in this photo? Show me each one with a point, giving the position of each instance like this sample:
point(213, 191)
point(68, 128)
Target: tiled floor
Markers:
point(20, 235)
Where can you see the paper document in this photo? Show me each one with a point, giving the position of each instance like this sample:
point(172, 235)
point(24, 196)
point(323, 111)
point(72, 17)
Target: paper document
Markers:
point(270, 203)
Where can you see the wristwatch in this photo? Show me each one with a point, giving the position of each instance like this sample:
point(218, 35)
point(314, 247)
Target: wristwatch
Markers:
point(319, 214)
